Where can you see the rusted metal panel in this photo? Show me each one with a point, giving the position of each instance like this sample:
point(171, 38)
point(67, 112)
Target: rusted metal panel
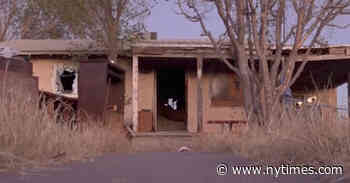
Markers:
point(92, 87)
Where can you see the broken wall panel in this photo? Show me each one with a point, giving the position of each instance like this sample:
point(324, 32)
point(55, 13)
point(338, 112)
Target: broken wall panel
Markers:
point(46, 70)
point(65, 78)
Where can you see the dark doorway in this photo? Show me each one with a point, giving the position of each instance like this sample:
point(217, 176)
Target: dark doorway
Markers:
point(171, 100)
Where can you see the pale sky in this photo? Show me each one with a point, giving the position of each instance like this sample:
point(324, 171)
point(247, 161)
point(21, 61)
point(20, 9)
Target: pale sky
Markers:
point(169, 25)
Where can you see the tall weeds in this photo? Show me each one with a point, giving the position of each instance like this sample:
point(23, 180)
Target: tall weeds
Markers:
point(304, 136)
point(30, 135)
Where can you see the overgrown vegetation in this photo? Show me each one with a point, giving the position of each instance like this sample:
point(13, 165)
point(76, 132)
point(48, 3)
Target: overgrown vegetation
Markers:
point(31, 137)
point(298, 137)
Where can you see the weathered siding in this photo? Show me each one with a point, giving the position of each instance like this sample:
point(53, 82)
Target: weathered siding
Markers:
point(146, 90)
point(216, 113)
point(211, 113)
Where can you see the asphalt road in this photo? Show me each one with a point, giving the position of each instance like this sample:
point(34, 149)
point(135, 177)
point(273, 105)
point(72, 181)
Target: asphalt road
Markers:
point(152, 168)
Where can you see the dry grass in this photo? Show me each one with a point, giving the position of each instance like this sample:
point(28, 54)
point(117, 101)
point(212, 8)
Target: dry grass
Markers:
point(303, 137)
point(29, 136)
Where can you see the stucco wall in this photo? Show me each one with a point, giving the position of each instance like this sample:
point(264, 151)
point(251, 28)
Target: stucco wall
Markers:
point(214, 113)
point(44, 70)
point(210, 113)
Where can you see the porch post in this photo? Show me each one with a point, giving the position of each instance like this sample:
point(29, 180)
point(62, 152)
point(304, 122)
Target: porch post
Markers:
point(349, 95)
point(135, 81)
point(199, 93)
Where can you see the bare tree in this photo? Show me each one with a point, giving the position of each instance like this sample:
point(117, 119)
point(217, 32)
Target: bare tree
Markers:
point(24, 19)
point(8, 12)
point(35, 23)
point(258, 32)
point(106, 21)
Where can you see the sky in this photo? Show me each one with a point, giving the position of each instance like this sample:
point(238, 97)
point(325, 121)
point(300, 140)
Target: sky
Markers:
point(169, 25)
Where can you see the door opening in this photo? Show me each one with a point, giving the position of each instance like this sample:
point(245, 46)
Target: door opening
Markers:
point(171, 100)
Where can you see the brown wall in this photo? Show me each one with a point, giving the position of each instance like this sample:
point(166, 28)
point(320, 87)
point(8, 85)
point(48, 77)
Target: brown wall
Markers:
point(93, 87)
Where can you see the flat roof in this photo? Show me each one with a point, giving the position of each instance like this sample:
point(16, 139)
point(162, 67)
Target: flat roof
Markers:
point(152, 48)
point(51, 46)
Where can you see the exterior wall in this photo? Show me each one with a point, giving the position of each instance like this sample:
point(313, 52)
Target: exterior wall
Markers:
point(325, 96)
point(44, 69)
point(211, 113)
point(126, 64)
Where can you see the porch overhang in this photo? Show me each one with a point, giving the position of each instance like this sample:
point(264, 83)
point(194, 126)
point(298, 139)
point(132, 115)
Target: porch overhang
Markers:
point(326, 68)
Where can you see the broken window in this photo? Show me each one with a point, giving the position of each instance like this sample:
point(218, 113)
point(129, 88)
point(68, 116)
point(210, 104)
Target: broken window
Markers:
point(66, 80)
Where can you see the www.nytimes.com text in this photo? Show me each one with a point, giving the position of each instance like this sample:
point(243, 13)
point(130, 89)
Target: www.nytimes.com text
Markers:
point(225, 169)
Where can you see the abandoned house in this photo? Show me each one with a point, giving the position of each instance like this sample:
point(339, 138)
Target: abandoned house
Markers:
point(168, 86)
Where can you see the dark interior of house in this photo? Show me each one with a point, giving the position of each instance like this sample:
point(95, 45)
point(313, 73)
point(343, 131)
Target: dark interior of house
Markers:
point(171, 99)
point(67, 79)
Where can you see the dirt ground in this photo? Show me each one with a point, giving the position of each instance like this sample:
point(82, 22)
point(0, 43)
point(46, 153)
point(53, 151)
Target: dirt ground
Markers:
point(151, 168)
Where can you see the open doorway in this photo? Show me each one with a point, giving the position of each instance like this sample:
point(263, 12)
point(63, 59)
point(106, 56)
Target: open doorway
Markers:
point(171, 100)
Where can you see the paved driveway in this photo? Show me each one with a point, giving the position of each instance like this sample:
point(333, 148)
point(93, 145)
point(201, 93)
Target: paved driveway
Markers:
point(152, 168)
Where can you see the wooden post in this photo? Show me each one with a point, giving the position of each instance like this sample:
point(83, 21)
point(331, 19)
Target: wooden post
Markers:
point(135, 81)
point(349, 95)
point(199, 93)
point(155, 101)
